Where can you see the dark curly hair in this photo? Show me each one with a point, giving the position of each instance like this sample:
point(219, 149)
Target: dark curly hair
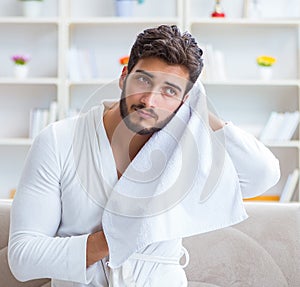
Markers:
point(172, 46)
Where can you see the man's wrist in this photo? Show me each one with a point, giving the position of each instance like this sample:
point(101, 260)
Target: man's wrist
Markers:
point(97, 248)
point(215, 122)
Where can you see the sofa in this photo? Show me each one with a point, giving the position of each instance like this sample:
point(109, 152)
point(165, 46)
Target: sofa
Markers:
point(262, 251)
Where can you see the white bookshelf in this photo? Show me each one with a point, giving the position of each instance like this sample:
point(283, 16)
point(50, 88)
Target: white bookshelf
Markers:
point(92, 25)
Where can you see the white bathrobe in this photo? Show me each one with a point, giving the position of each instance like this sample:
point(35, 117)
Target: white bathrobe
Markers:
point(56, 207)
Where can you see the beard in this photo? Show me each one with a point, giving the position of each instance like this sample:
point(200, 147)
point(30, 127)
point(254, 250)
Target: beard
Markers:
point(139, 128)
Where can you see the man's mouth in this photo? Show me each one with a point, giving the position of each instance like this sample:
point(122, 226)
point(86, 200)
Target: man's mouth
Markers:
point(143, 113)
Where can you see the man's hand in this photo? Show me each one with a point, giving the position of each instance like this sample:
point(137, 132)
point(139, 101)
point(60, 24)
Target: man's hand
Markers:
point(97, 248)
point(214, 122)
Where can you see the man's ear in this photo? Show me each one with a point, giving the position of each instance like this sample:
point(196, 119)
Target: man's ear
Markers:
point(122, 77)
point(185, 97)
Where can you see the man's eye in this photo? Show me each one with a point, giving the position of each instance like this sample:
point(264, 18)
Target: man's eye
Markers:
point(143, 80)
point(170, 92)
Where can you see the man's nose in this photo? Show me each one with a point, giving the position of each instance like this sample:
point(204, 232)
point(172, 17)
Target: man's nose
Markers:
point(149, 98)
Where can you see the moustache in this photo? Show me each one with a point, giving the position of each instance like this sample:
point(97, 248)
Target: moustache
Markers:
point(147, 111)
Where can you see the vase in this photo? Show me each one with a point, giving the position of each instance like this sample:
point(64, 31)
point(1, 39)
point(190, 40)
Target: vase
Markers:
point(21, 71)
point(265, 73)
point(32, 8)
point(254, 9)
point(124, 8)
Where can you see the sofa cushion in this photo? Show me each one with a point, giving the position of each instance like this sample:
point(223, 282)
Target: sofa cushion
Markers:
point(262, 251)
point(5, 206)
point(201, 284)
point(231, 258)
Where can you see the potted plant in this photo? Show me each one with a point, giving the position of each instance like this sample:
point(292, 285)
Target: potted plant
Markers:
point(32, 8)
point(124, 8)
point(265, 64)
point(20, 66)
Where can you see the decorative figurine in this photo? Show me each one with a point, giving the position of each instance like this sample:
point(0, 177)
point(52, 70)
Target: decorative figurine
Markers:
point(218, 12)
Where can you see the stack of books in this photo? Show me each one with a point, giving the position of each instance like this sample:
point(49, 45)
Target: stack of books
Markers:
point(40, 118)
point(280, 126)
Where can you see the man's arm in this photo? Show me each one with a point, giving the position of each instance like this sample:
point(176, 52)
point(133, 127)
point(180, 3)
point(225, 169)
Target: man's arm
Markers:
point(34, 249)
point(257, 168)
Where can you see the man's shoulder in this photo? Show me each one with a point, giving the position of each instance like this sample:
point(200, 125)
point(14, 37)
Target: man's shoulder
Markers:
point(65, 127)
point(68, 125)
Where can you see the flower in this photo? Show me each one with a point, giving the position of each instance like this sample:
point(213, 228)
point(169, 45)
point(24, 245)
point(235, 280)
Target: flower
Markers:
point(124, 60)
point(265, 61)
point(20, 59)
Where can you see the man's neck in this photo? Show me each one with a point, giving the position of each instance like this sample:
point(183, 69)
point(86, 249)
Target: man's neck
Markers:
point(122, 140)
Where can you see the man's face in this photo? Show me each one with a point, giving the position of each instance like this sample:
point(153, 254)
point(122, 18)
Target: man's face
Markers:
point(151, 95)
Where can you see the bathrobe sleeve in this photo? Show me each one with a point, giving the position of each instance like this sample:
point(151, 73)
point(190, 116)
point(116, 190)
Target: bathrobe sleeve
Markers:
point(257, 168)
point(34, 251)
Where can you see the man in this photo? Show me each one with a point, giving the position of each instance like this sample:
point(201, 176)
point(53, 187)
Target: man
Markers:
point(91, 209)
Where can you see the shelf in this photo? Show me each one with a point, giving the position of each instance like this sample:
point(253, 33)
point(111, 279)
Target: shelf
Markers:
point(6, 201)
point(249, 202)
point(287, 83)
point(241, 21)
point(91, 82)
point(122, 20)
point(15, 141)
point(284, 83)
point(29, 81)
point(24, 20)
point(283, 144)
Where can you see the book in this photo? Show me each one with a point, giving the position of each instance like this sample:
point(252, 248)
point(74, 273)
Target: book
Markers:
point(280, 126)
point(289, 187)
point(289, 125)
point(74, 70)
point(35, 122)
point(40, 118)
point(270, 128)
point(263, 198)
point(53, 112)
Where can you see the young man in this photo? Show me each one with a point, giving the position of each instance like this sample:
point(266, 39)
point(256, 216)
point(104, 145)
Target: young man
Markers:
point(106, 198)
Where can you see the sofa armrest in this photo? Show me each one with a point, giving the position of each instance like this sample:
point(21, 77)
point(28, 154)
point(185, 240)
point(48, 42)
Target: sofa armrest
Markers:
point(8, 280)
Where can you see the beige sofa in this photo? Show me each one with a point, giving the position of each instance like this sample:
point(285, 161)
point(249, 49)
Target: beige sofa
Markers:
point(263, 251)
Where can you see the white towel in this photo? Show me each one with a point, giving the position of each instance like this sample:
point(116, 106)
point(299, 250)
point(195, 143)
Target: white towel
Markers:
point(181, 183)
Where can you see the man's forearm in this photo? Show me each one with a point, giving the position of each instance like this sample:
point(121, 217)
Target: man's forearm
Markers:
point(97, 248)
